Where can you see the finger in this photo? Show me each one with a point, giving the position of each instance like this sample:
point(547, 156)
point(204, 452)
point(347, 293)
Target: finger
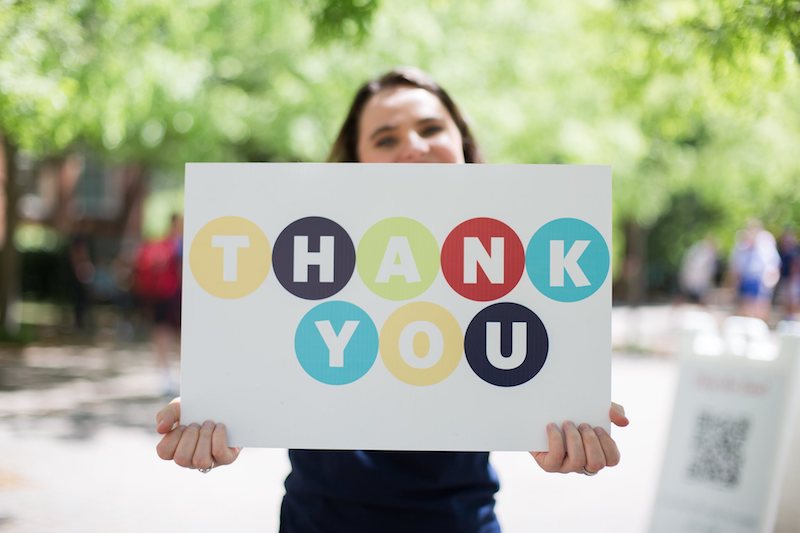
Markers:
point(551, 460)
point(595, 457)
point(610, 449)
point(168, 443)
point(617, 415)
point(185, 450)
point(576, 457)
point(223, 455)
point(202, 452)
point(169, 416)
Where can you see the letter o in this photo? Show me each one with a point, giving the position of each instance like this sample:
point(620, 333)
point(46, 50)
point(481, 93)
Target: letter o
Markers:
point(452, 344)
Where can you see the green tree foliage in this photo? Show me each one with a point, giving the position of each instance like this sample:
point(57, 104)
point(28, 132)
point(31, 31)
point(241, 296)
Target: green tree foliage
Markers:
point(713, 87)
point(343, 19)
point(687, 98)
point(164, 82)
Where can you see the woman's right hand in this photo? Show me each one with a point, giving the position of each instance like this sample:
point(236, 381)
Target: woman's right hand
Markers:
point(192, 446)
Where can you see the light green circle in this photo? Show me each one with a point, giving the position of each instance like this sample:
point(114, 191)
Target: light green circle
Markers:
point(406, 249)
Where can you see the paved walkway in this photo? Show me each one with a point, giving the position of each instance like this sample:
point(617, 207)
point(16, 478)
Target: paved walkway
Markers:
point(77, 441)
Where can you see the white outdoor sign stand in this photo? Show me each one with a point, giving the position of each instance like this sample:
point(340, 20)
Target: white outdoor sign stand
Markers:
point(728, 441)
point(788, 520)
point(405, 307)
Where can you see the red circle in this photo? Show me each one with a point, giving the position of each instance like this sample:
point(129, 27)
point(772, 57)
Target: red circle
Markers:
point(484, 288)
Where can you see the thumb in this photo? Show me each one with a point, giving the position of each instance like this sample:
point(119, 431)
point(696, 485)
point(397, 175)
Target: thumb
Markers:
point(617, 415)
point(169, 416)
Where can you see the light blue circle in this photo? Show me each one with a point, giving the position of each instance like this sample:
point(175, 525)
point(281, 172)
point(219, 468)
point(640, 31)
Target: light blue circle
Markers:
point(314, 355)
point(593, 262)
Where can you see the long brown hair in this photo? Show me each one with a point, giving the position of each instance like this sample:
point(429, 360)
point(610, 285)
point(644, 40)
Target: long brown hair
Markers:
point(345, 147)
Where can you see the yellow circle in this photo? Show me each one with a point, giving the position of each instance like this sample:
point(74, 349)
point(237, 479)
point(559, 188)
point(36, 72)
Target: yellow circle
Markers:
point(230, 257)
point(390, 343)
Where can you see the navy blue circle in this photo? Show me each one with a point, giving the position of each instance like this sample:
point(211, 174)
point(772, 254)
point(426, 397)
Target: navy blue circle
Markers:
point(536, 342)
point(344, 258)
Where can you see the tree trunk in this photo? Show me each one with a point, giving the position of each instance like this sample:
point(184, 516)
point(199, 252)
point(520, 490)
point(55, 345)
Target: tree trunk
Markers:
point(635, 269)
point(9, 258)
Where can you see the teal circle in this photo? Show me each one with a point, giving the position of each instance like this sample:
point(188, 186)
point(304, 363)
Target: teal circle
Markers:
point(593, 262)
point(314, 355)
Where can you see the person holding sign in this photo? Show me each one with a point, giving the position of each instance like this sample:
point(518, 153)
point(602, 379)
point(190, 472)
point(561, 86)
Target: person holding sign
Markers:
point(401, 117)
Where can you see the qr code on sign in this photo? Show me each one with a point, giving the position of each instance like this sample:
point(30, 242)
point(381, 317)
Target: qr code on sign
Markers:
point(718, 449)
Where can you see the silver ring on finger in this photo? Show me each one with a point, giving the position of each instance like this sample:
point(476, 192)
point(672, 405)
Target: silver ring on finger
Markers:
point(206, 470)
point(586, 472)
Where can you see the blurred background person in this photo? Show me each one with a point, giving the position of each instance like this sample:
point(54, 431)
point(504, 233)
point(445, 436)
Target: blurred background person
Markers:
point(698, 271)
point(787, 291)
point(81, 275)
point(754, 268)
point(157, 283)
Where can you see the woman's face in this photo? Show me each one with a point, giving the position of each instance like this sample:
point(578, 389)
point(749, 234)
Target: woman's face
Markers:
point(408, 125)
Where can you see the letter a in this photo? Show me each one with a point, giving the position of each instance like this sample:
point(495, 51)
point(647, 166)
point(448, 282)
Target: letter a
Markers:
point(398, 261)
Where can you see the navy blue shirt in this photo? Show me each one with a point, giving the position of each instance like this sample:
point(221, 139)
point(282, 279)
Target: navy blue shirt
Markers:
point(352, 491)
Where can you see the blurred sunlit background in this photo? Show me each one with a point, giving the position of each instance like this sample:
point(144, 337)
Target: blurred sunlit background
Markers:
point(694, 103)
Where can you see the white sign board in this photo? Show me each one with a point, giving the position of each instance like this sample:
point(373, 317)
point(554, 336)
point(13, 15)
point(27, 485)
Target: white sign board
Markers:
point(727, 443)
point(396, 307)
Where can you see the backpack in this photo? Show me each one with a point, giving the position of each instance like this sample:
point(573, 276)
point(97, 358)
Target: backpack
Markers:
point(156, 272)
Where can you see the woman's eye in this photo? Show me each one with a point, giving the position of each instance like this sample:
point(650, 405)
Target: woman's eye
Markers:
point(385, 142)
point(430, 131)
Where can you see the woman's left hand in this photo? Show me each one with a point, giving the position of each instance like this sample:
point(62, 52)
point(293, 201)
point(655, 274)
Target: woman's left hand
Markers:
point(582, 448)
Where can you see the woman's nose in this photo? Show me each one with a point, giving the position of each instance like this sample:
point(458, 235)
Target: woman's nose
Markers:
point(414, 148)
